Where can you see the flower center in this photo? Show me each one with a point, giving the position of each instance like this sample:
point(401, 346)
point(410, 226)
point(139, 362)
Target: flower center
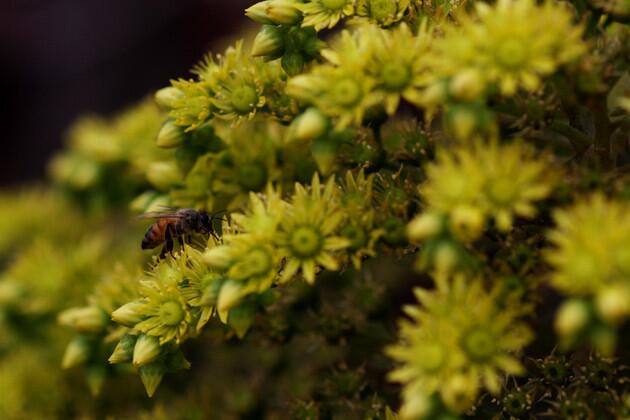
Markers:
point(252, 176)
point(380, 10)
point(511, 53)
point(357, 236)
point(305, 242)
point(171, 313)
point(395, 76)
point(333, 4)
point(258, 262)
point(244, 99)
point(432, 357)
point(479, 344)
point(502, 191)
point(347, 92)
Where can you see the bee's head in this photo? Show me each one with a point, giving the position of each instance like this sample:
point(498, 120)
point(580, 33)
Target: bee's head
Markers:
point(205, 222)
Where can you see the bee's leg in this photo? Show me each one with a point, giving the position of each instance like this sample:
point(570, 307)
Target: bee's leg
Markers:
point(180, 239)
point(168, 242)
point(215, 236)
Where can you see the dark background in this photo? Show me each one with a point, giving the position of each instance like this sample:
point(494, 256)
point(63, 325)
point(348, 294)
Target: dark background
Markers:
point(62, 58)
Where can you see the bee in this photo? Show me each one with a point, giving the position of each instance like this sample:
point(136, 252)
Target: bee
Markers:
point(176, 224)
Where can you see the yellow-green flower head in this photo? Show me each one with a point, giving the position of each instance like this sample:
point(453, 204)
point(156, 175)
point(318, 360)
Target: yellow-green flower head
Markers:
point(262, 215)
point(399, 62)
point(339, 93)
point(459, 340)
point(238, 93)
point(194, 107)
point(592, 246)
point(322, 14)
point(510, 43)
point(483, 180)
point(166, 312)
point(308, 232)
point(382, 12)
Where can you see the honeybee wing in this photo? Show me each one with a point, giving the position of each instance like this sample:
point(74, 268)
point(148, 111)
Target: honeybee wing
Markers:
point(164, 212)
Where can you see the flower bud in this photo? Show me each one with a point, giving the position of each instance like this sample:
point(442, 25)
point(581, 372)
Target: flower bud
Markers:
point(146, 350)
point(613, 303)
point(241, 318)
point(467, 85)
point(463, 122)
point(325, 154)
point(218, 257)
point(445, 258)
point(123, 352)
point(167, 97)
point(170, 135)
point(89, 319)
point(95, 376)
point(309, 126)
point(151, 376)
point(292, 63)
point(129, 314)
point(572, 317)
point(77, 352)
point(258, 12)
point(466, 222)
point(459, 392)
point(424, 226)
point(434, 95)
point(230, 295)
point(164, 175)
point(269, 43)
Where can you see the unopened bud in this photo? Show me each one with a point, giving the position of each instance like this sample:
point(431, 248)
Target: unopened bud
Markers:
point(613, 303)
point(167, 97)
point(129, 314)
point(90, 319)
point(258, 12)
point(325, 154)
point(424, 226)
point(151, 376)
point(146, 350)
point(293, 63)
point(164, 175)
point(445, 258)
point(467, 85)
point(77, 352)
point(572, 317)
point(95, 376)
point(230, 295)
point(123, 352)
point(309, 126)
point(269, 43)
point(218, 257)
point(241, 318)
point(463, 122)
point(170, 135)
point(466, 222)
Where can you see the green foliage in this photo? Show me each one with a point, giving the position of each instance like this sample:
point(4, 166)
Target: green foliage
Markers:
point(456, 169)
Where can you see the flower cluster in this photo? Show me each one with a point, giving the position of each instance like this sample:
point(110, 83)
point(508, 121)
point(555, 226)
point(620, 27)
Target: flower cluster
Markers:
point(468, 138)
point(457, 342)
point(591, 261)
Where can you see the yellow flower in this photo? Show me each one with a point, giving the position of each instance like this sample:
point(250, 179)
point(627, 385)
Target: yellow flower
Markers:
point(511, 43)
point(382, 12)
point(337, 92)
point(399, 62)
point(307, 235)
point(459, 340)
point(592, 246)
point(322, 14)
point(486, 180)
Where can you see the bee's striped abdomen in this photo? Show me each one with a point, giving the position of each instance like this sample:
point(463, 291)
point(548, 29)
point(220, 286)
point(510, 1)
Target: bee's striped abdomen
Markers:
point(155, 234)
